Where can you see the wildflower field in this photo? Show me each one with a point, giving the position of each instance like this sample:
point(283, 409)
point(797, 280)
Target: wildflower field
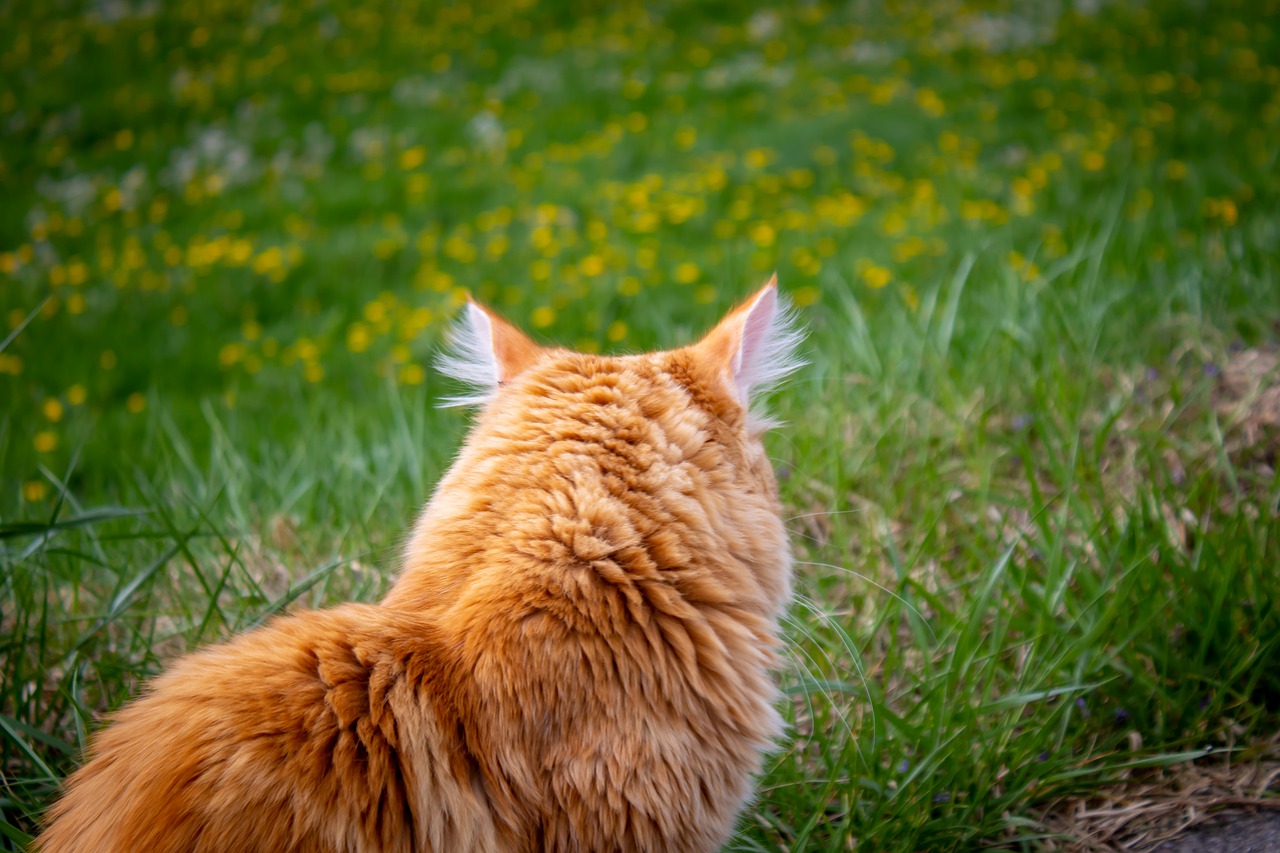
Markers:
point(1029, 469)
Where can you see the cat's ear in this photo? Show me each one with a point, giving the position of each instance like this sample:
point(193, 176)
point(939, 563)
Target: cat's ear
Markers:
point(485, 351)
point(755, 345)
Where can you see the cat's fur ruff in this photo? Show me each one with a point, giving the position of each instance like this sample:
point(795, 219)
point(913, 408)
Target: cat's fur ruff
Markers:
point(576, 656)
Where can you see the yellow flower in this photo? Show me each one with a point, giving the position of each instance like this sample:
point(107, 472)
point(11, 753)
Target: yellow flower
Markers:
point(34, 490)
point(876, 276)
point(231, 353)
point(76, 394)
point(269, 261)
point(46, 441)
point(805, 296)
point(10, 364)
point(928, 101)
point(617, 331)
point(77, 272)
point(763, 235)
point(1228, 212)
point(358, 337)
point(412, 158)
point(136, 402)
point(687, 272)
point(893, 224)
point(52, 410)
point(412, 374)
point(758, 158)
point(543, 316)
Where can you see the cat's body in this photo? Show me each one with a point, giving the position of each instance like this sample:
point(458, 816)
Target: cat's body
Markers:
point(576, 656)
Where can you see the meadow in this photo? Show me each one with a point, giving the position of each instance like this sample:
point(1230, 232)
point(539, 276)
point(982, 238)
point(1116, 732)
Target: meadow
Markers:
point(1030, 468)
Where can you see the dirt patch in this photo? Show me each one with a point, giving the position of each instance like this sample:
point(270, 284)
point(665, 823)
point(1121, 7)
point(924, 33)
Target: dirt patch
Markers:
point(1146, 813)
point(1248, 401)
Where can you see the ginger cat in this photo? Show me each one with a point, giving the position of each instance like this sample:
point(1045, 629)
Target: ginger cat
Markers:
point(576, 656)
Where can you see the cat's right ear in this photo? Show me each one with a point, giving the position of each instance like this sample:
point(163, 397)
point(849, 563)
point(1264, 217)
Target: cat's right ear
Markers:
point(485, 351)
point(754, 347)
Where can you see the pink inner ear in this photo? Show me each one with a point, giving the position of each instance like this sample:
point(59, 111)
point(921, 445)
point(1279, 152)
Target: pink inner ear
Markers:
point(748, 367)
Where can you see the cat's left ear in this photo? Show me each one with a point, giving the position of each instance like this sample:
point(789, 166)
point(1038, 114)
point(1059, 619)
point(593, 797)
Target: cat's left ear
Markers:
point(755, 345)
point(486, 352)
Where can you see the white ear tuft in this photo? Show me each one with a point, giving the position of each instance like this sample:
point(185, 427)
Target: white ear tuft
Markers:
point(767, 354)
point(471, 359)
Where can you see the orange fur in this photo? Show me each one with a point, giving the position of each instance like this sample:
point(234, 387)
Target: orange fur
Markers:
point(575, 657)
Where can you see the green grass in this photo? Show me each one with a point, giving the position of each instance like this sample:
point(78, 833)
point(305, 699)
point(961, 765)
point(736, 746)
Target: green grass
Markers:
point(1026, 241)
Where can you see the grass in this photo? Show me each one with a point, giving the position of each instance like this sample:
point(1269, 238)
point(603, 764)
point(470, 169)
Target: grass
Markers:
point(1036, 532)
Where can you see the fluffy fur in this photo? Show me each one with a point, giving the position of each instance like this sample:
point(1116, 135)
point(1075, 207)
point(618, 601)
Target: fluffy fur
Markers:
point(575, 657)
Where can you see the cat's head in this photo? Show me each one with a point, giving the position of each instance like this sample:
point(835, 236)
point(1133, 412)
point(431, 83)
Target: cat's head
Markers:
point(558, 432)
point(715, 384)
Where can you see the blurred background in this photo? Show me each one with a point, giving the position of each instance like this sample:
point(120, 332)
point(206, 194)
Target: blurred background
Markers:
point(1031, 242)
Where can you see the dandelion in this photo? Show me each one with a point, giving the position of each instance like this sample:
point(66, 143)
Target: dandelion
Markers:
point(34, 491)
point(412, 158)
point(543, 316)
point(136, 402)
point(617, 331)
point(876, 276)
point(929, 102)
point(45, 441)
point(412, 374)
point(231, 354)
point(358, 338)
point(52, 410)
point(763, 234)
point(687, 273)
point(758, 158)
point(805, 296)
point(1026, 270)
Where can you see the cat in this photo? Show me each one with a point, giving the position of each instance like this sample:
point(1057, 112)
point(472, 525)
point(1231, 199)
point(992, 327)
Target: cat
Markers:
point(576, 655)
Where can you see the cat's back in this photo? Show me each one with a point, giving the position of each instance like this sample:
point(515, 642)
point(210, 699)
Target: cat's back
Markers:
point(325, 731)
